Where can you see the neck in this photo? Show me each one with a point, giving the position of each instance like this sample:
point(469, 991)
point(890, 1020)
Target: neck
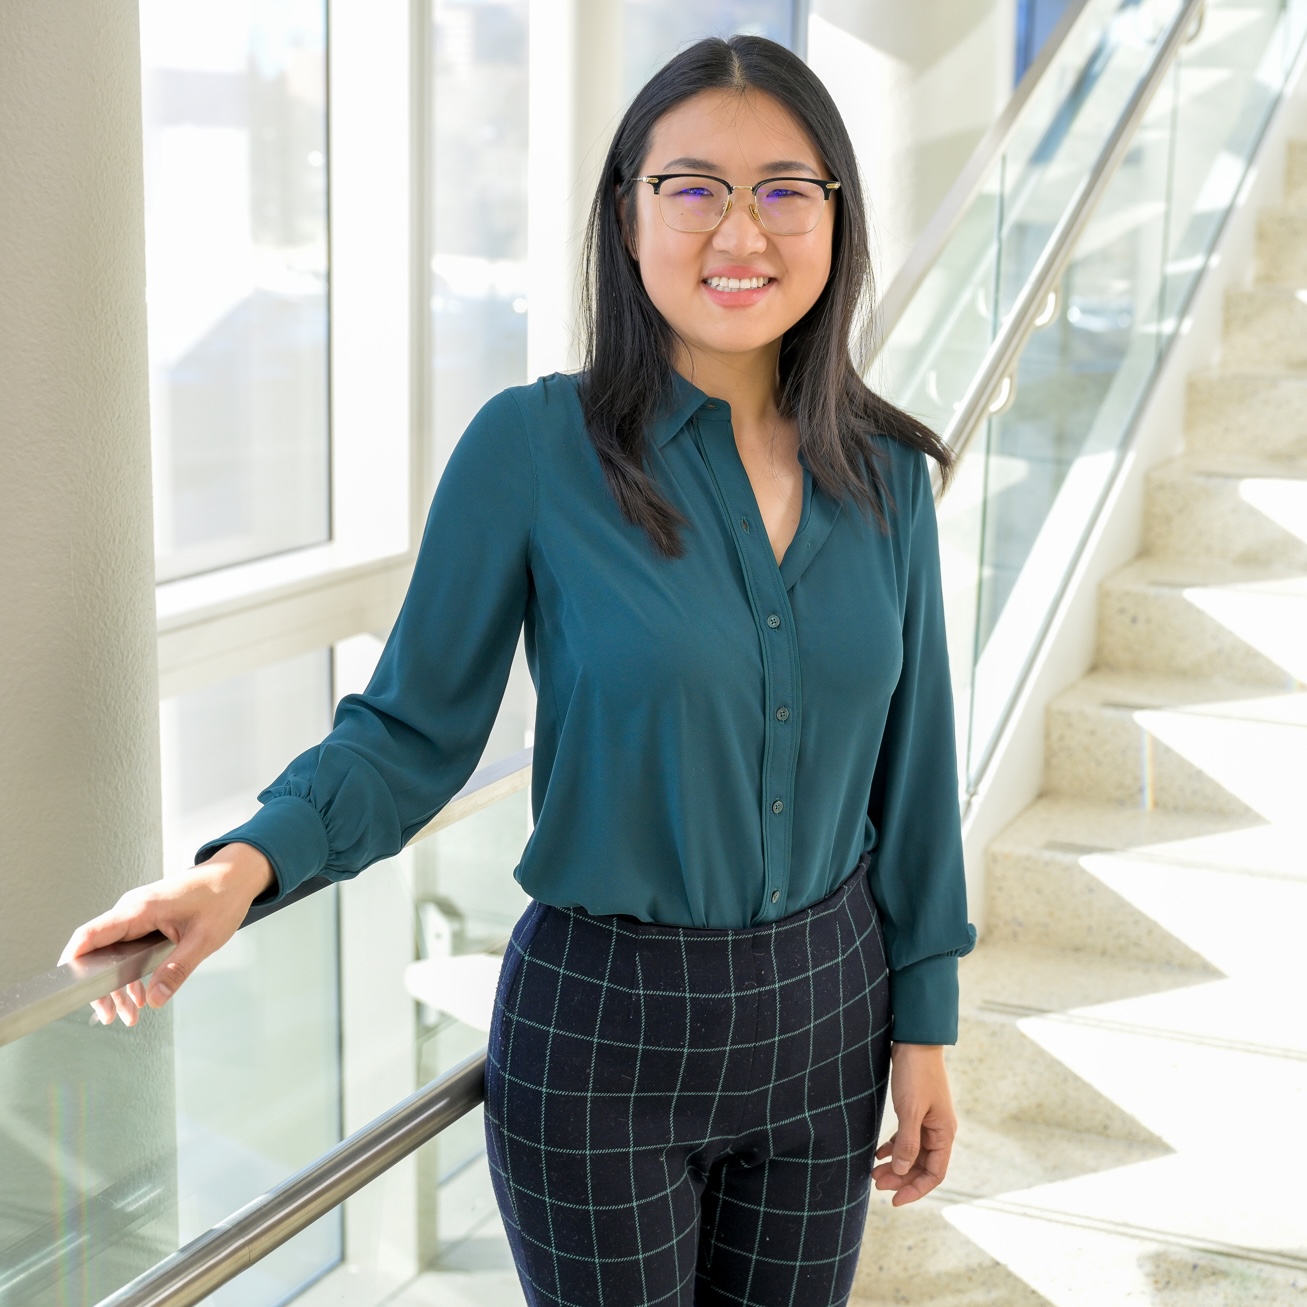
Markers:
point(749, 383)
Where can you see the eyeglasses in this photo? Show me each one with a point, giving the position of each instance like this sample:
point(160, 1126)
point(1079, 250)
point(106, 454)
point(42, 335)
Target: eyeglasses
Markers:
point(784, 206)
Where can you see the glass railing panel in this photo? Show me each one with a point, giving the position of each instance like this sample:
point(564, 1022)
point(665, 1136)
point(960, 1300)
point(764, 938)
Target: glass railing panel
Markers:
point(1032, 478)
point(935, 349)
point(87, 1160)
point(1046, 164)
point(1049, 454)
point(1227, 82)
point(257, 1028)
point(259, 1085)
point(468, 903)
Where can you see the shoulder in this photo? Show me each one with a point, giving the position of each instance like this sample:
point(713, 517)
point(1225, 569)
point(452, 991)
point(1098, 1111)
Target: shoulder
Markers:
point(548, 402)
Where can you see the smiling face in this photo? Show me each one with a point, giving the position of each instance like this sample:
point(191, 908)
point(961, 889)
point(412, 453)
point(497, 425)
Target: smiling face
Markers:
point(744, 138)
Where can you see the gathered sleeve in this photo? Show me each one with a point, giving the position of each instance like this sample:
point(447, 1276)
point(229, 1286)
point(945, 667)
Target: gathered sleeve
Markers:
point(917, 874)
point(398, 752)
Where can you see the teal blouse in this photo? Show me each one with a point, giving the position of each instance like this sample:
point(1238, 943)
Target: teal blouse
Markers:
point(718, 738)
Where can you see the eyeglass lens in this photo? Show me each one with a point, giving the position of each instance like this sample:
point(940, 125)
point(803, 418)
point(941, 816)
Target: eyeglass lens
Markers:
point(785, 208)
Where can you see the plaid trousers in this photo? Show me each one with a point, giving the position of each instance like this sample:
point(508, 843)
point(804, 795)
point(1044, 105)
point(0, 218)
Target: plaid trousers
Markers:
point(677, 1115)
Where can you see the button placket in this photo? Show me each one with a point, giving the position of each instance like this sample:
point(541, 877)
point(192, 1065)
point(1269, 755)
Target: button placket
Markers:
point(770, 604)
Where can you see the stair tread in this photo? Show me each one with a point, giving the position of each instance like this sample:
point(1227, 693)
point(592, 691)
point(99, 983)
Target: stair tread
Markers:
point(1267, 290)
point(1134, 690)
point(1164, 571)
point(1006, 980)
point(1227, 464)
point(1072, 826)
point(1243, 371)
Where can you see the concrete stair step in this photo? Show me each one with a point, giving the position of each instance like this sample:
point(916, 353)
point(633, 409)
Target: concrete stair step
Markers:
point(1261, 414)
point(1228, 505)
point(1145, 739)
point(1000, 1076)
point(1281, 249)
point(1064, 874)
point(1209, 619)
point(1265, 328)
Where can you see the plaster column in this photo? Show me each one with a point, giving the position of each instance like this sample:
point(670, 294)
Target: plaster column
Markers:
point(79, 738)
point(88, 1171)
point(918, 86)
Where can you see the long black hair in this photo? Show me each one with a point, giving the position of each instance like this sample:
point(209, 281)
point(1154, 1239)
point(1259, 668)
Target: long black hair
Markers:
point(628, 343)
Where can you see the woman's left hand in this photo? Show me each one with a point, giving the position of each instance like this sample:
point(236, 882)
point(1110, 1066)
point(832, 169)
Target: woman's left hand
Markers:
point(919, 1149)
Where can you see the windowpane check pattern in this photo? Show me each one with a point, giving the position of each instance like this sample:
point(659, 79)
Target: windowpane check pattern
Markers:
point(680, 1115)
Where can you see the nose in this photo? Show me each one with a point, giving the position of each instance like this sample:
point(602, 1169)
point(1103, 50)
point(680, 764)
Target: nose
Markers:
point(739, 230)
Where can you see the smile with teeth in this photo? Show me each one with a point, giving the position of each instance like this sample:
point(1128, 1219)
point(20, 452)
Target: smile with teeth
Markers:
point(736, 283)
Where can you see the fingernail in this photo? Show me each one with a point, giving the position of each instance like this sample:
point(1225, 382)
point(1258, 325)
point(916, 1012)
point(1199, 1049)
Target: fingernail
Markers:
point(162, 993)
point(901, 1167)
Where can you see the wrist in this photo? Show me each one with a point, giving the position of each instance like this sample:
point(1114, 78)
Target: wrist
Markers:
point(243, 866)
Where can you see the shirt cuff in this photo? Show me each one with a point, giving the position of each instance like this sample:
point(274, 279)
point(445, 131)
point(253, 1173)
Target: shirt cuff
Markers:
point(288, 832)
point(924, 1001)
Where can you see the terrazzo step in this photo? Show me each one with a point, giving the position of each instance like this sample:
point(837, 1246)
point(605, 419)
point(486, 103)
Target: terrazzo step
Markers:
point(1281, 249)
point(1155, 741)
point(1228, 505)
point(1266, 328)
point(1206, 619)
point(1260, 414)
point(1295, 173)
point(1000, 1076)
point(1044, 888)
point(987, 1159)
point(912, 1255)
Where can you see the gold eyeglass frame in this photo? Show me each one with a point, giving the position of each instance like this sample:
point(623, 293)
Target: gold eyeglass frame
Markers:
point(829, 186)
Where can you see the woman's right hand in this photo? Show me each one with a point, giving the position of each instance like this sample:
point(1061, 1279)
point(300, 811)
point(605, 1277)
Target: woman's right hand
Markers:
point(199, 910)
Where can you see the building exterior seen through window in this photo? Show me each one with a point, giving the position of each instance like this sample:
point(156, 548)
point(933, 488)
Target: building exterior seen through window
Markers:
point(235, 119)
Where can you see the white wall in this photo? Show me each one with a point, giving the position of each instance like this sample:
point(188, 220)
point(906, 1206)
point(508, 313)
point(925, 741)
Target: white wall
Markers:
point(918, 85)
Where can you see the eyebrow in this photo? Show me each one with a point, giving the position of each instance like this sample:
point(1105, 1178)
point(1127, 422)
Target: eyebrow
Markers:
point(776, 167)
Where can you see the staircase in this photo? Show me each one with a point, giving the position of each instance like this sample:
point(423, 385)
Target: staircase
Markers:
point(1131, 1071)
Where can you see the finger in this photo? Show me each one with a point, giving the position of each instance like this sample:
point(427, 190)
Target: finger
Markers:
point(109, 928)
point(104, 1010)
point(136, 991)
point(172, 974)
point(127, 1010)
point(907, 1144)
point(885, 1148)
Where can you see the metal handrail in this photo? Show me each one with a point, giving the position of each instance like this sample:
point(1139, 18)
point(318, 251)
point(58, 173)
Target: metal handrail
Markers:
point(41, 999)
point(1007, 345)
point(944, 221)
point(232, 1246)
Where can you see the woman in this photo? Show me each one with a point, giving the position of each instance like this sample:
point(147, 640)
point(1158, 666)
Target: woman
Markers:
point(746, 870)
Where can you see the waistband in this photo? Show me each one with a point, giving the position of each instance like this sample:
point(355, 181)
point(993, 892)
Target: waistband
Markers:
point(855, 884)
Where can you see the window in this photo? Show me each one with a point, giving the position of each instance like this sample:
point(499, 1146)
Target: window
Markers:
point(234, 106)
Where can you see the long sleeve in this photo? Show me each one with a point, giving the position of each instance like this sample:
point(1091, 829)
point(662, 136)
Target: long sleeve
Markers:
point(403, 748)
point(917, 875)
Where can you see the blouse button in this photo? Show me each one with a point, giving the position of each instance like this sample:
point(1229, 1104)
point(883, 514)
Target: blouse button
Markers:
point(773, 621)
point(782, 713)
point(744, 522)
point(775, 896)
point(778, 806)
